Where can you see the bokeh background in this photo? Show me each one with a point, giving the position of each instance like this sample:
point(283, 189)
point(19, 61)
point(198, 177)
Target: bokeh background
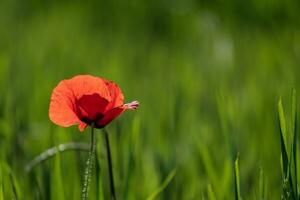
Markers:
point(208, 75)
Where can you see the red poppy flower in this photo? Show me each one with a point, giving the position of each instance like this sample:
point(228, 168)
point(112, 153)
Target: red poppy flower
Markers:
point(86, 100)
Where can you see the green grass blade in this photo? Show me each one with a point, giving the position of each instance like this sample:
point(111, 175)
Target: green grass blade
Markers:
point(1, 183)
point(130, 168)
point(226, 180)
point(289, 163)
point(133, 158)
point(283, 140)
point(210, 193)
point(294, 132)
point(14, 186)
point(261, 185)
point(57, 182)
point(225, 125)
point(237, 180)
point(294, 111)
point(209, 166)
point(98, 174)
point(163, 186)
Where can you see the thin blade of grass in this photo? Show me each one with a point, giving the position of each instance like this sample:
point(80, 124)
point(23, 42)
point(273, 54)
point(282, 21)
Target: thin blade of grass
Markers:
point(294, 132)
point(14, 186)
point(210, 192)
point(237, 180)
point(225, 125)
point(57, 183)
point(163, 186)
point(133, 157)
point(225, 182)
point(209, 166)
point(286, 160)
point(35, 184)
point(294, 110)
point(99, 185)
point(1, 184)
point(283, 140)
point(261, 185)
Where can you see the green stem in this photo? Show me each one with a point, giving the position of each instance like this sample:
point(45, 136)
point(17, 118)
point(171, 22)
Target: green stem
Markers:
point(110, 168)
point(89, 167)
point(54, 150)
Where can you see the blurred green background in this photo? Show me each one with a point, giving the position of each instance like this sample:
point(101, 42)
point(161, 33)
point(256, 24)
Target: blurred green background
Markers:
point(208, 75)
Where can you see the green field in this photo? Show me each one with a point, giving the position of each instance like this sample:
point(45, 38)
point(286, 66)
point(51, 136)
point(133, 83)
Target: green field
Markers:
point(208, 76)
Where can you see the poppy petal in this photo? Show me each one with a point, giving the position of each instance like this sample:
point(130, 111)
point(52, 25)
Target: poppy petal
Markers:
point(115, 112)
point(117, 97)
point(85, 100)
point(110, 115)
point(61, 110)
point(82, 126)
point(88, 85)
point(91, 107)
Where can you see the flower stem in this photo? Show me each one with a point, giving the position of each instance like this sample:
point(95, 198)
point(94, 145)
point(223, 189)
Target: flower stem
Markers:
point(110, 168)
point(89, 167)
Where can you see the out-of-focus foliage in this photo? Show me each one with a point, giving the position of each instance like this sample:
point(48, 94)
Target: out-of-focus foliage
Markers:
point(208, 75)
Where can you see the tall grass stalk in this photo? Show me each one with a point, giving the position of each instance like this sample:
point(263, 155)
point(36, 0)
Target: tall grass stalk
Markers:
point(288, 139)
point(163, 186)
point(1, 184)
point(237, 180)
point(261, 185)
point(294, 133)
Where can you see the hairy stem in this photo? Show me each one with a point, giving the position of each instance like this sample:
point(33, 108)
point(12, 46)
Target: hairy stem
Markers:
point(89, 167)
